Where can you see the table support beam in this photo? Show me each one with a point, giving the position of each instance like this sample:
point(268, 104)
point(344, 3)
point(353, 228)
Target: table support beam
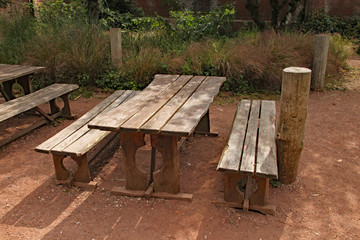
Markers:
point(167, 179)
point(136, 179)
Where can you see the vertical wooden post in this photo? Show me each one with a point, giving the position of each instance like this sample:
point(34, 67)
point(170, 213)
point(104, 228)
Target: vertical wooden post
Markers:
point(319, 62)
point(116, 48)
point(291, 127)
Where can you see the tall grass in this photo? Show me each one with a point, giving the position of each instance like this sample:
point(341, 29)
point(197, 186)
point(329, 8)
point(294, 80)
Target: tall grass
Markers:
point(16, 29)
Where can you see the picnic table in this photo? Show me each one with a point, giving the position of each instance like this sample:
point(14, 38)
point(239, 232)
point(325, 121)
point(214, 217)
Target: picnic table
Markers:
point(10, 74)
point(169, 108)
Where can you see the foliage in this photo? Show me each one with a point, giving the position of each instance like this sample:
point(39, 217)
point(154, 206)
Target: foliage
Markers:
point(191, 26)
point(322, 22)
point(71, 48)
point(118, 13)
point(16, 29)
point(4, 3)
point(283, 13)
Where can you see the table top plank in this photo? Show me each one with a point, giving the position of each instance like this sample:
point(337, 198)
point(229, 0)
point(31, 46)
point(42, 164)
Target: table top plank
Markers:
point(230, 158)
point(167, 111)
point(184, 122)
point(138, 119)
point(266, 151)
point(112, 120)
point(74, 134)
point(27, 102)
point(9, 72)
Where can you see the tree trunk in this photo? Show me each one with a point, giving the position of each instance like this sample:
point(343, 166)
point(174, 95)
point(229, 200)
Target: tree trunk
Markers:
point(254, 8)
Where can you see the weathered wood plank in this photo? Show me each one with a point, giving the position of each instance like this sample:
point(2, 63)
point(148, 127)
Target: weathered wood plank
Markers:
point(29, 101)
point(187, 118)
point(166, 112)
point(86, 142)
point(266, 151)
point(137, 120)
point(248, 156)
point(231, 156)
point(84, 139)
point(46, 146)
point(16, 71)
point(112, 120)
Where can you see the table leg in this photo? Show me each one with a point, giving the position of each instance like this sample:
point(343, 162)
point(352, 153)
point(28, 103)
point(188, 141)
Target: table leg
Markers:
point(7, 86)
point(25, 83)
point(203, 127)
point(167, 179)
point(136, 179)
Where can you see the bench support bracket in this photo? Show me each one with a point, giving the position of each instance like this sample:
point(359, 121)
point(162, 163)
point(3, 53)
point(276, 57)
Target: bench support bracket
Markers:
point(249, 192)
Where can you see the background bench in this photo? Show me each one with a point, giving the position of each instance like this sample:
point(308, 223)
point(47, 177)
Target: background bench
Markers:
point(77, 140)
point(249, 158)
point(32, 101)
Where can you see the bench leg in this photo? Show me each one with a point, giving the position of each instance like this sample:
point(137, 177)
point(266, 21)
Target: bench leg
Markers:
point(66, 112)
point(82, 173)
point(136, 179)
point(53, 107)
point(167, 179)
point(60, 171)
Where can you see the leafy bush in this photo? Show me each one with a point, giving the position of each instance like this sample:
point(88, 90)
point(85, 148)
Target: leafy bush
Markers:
point(321, 22)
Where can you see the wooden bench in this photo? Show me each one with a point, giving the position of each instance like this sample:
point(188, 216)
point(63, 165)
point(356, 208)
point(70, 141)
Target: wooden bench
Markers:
point(77, 140)
point(249, 158)
point(32, 101)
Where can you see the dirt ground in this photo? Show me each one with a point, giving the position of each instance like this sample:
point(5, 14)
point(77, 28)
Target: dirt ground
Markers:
point(324, 202)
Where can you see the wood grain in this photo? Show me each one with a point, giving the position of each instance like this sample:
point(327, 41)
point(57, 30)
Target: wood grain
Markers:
point(186, 119)
point(164, 114)
point(46, 146)
point(137, 120)
point(231, 156)
point(112, 120)
point(248, 156)
point(27, 102)
point(266, 150)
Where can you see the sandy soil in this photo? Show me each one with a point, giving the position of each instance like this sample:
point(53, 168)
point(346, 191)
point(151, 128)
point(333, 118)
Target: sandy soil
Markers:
point(323, 203)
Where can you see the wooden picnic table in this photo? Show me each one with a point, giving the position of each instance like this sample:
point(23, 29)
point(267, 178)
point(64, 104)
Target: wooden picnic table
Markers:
point(9, 74)
point(170, 107)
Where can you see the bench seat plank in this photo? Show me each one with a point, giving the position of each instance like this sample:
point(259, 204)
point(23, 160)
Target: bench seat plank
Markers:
point(266, 152)
point(84, 139)
point(137, 120)
point(155, 124)
point(230, 158)
point(112, 120)
point(29, 101)
point(187, 118)
point(46, 146)
point(249, 150)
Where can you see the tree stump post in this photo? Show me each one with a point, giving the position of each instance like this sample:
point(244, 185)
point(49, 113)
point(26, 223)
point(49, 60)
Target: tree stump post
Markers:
point(293, 111)
point(116, 48)
point(319, 62)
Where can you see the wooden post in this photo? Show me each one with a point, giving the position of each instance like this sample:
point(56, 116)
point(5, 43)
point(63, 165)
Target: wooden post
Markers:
point(291, 127)
point(116, 49)
point(319, 62)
